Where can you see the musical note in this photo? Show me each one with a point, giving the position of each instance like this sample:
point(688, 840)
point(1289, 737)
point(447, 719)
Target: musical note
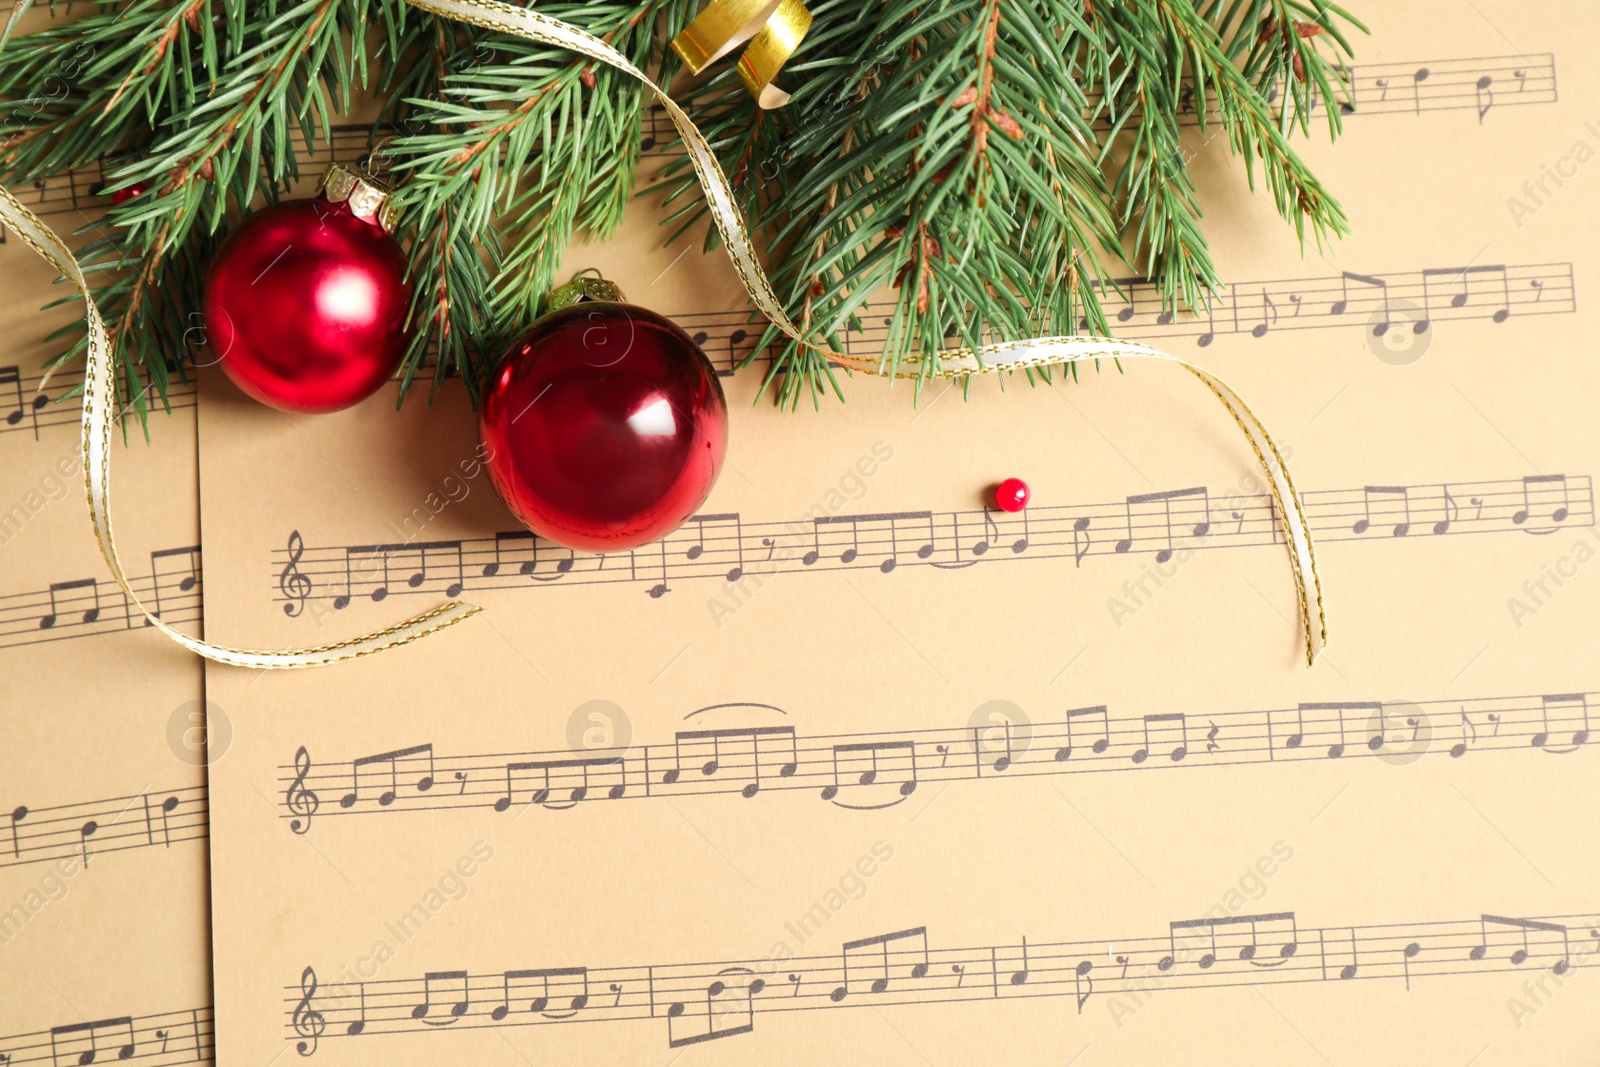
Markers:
point(1416, 87)
point(1020, 975)
point(696, 550)
point(301, 801)
point(187, 577)
point(393, 759)
point(540, 1005)
point(1237, 935)
point(1081, 541)
point(90, 1031)
point(1179, 750)
point(1562, 704)
point(90, 614)
point(294, 585)
point(359, 1024)
point(1341, 305)
point(1101, 743)
point(695, 742)
point(577, 793)
point(1495, 925)
point(711, 1000)
point(378, 559)
point(881, 969)
point(742, 1013)
point(855, 522)
point(1202, 528)
point(873, 750)
point(656, 128)
point(168, 806)
point(1336, 749)
point(12, 376)
point(17, 815)
point(1485, 96)
point(86, 831)
point(1348, 970)
point(507, 544)
point(1407, 954)
point(1267, 307)
point(458, 1008)
point(1502, 312)
point(1452, 510)
point(1386, 495)
point(1534, 486)
point(661, 588)
point(1469, 736)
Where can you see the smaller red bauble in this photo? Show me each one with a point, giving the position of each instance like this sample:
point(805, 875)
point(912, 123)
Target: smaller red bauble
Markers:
point(306, 302)
point(1012, 495)
point(604, 426)
point(122, 196)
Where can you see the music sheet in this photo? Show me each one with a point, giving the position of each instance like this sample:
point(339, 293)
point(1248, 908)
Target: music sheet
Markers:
point(104, 912)
point(848, 758)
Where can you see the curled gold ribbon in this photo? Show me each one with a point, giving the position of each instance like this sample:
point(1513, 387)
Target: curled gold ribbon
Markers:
point(99, 399)
point(725, 24)
point(956, 362)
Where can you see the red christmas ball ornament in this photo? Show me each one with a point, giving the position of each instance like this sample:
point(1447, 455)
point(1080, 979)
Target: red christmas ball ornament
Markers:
point(605, 424)
point(122, 196)
point(1011, 495)
point(306, 302)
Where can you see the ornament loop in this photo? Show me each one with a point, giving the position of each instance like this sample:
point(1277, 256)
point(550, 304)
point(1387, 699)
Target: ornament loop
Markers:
point(367, 196)
point(585, 285)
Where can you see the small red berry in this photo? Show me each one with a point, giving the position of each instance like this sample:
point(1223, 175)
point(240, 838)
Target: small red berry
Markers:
point(1012, 495)
point(122, 196)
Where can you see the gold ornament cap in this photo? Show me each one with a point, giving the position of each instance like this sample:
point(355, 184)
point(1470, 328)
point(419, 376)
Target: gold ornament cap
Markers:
point(367, 196)
point(585, 285)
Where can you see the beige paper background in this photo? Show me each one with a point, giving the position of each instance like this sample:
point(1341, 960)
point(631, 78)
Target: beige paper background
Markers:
point(1102, 856)
point(91, 712)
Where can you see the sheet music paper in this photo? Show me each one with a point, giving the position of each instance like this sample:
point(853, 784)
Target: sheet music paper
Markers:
point(104, 921)
point(818, 777)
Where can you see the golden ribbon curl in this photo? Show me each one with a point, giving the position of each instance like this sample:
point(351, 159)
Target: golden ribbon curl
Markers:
point(773, 30)
point(99, 380)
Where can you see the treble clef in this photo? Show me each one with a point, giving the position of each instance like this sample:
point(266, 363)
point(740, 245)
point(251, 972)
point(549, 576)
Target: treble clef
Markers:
point(308, 1021)
point(291, 583)
point(299, 799)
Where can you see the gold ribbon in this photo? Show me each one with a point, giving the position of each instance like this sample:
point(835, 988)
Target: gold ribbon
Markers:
point(98, 404)
point(956, 362)
point(773, 30)
point(99, 412)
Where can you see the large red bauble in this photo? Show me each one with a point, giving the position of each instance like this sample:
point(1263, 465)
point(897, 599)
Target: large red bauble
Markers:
point(605, 427)
point(306, 304)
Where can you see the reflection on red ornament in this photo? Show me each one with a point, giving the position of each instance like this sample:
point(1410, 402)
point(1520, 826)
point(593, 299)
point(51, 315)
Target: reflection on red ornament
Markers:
point(1012, 495)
